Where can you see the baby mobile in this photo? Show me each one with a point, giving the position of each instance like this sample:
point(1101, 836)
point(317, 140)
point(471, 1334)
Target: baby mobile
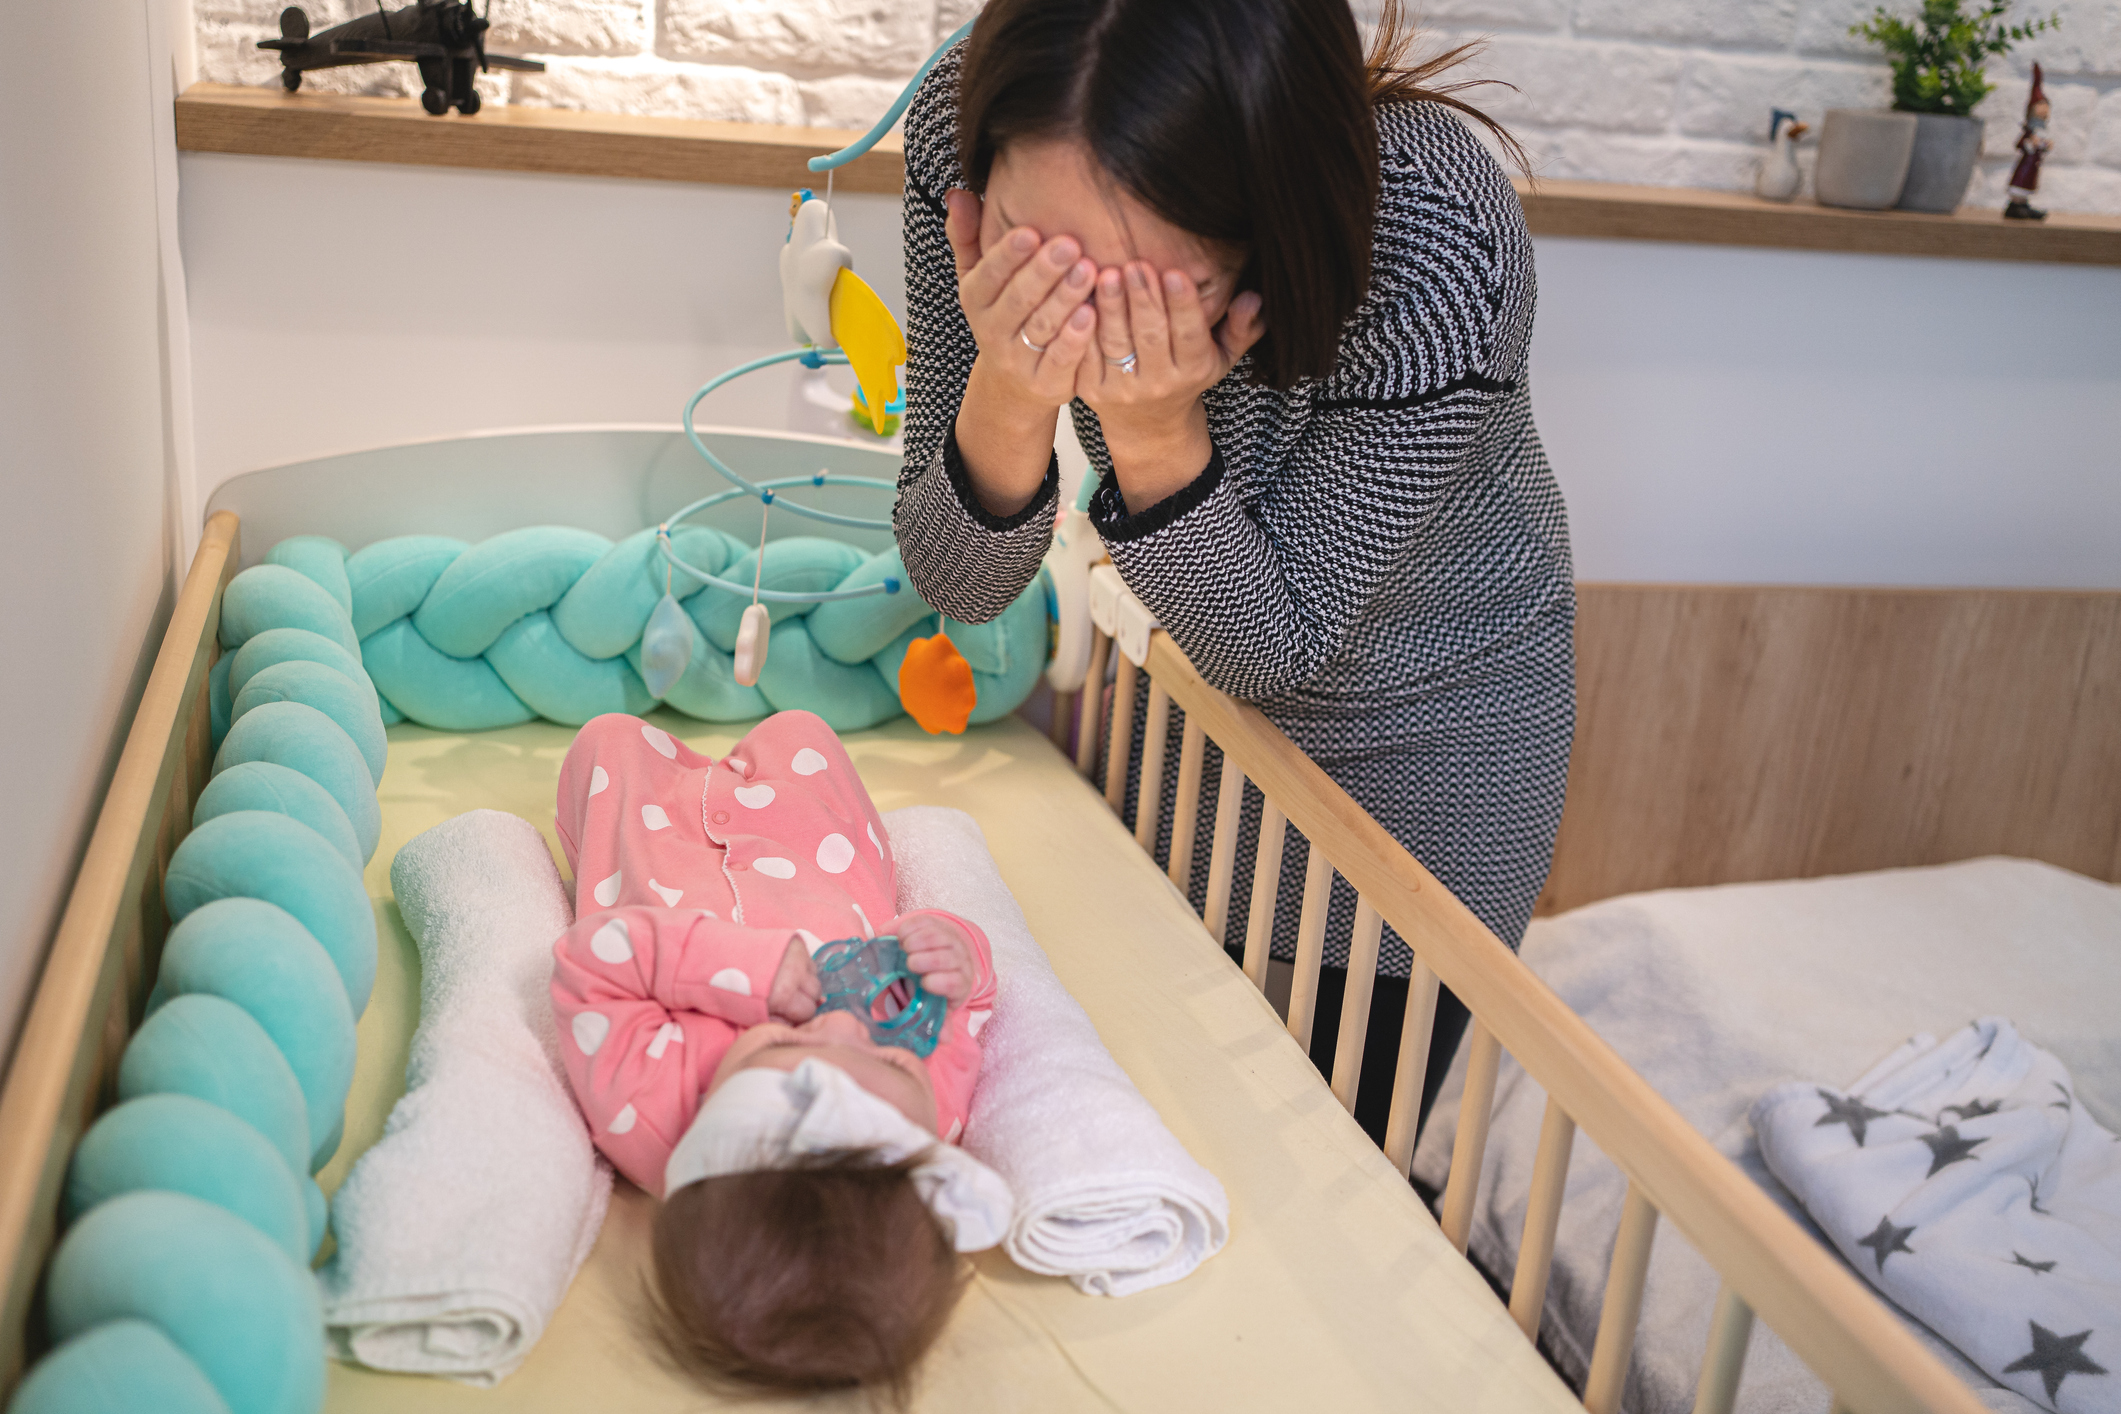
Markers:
point(836, 320)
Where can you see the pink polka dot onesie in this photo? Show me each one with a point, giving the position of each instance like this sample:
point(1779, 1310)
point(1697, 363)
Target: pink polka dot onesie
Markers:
point(691, 875)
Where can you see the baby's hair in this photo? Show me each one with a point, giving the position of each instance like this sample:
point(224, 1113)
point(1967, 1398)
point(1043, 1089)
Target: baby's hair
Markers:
point(827, 1274)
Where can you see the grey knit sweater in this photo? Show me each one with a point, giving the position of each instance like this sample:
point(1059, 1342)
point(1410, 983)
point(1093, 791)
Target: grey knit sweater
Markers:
point(1379, 559)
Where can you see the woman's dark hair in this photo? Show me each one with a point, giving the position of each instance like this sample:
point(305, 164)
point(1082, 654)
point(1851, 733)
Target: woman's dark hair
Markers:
point(1246, 122)
point(829, 1274)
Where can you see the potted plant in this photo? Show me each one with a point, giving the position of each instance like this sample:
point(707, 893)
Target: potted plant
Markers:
point(1938, 78)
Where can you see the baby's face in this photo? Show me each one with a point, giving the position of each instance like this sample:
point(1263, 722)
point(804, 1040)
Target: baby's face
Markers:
point(891, 1073)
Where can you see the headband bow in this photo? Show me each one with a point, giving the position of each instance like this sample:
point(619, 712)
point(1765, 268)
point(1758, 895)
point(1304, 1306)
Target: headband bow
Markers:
point(762, 1118)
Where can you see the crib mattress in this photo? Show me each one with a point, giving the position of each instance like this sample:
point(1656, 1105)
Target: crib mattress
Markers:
point(1336, 1290)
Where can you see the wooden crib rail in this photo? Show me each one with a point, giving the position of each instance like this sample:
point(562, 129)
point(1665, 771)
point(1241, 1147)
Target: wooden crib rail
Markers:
point(1769, 1264)
point(109, 939)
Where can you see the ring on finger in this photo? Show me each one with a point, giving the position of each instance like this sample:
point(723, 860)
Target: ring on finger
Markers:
point(1035, 348)
point(1124, 365)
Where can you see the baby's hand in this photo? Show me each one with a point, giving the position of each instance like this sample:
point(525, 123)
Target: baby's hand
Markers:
point(796, 990)
point(940, 954)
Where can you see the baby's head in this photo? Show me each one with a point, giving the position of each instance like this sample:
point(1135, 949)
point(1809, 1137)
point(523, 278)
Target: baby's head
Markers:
point(797, 1248)
point(826, 1272)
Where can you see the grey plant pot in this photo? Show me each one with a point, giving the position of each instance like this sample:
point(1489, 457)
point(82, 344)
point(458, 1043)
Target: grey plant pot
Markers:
point(1942, 164)
point(1863, 157)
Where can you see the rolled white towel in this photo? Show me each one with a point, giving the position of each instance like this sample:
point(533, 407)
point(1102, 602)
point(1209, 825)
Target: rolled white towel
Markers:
point(1105, 1194)
point(460, 1230)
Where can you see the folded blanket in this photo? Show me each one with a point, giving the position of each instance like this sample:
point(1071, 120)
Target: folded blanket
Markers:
point(460, 1230)
point(1105, 1195)
point(1965, 1181)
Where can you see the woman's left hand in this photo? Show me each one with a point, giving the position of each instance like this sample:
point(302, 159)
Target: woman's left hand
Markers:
point(1151, 414)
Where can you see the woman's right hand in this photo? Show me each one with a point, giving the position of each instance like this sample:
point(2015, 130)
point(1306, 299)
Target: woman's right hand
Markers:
point(1017, 293)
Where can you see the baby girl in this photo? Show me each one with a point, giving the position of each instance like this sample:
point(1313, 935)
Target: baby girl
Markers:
point(814, 1198)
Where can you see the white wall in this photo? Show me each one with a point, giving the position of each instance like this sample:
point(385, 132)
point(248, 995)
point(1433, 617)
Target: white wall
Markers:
point(1664, 92)
point(337, 306)
point(1714, 413)
point(85, 448)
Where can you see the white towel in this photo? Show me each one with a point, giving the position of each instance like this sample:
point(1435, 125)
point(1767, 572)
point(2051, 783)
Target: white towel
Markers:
point(460, 1230)
point(1966, 1182)
point(1105, 1194)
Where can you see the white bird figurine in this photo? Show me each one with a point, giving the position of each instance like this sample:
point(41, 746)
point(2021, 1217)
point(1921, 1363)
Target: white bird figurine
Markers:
point(1779, 177)
point(810, 262)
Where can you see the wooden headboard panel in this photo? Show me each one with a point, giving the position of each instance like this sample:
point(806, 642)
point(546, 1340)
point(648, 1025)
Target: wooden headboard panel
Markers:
point(1728, 733)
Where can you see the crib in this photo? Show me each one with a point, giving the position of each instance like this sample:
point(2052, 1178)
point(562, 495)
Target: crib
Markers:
point(93, 988)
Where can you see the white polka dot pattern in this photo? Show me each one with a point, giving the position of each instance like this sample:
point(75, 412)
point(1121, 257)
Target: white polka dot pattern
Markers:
point(774, 867)
point(811, 941)
point(669, 897)
point(623, 1121)
point(607, 893)
point(666, 1033)
point(756, 797)
point(957, 1127)
point(612, 943)
point(731, 979)
point(976, 1021)
point(868, 929)
point(652, 817)
point(599, 780)
point(660, 740)
point(834, 853)
point(875, 841)
point(807, 762)
point(590, 1028)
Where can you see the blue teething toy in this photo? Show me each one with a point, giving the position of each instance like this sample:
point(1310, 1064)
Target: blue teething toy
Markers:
point(856, 972)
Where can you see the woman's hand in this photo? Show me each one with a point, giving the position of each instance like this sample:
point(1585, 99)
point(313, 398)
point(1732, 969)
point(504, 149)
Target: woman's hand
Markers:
point(940, 954)
point(1026, 301)
point(1027, 305)
point(796, 991)
point(1152, 417)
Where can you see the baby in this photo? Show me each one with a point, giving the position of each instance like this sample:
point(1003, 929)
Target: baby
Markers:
point(814, 1197)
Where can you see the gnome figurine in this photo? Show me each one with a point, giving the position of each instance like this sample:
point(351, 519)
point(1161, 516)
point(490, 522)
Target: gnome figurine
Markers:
point(2033, 143)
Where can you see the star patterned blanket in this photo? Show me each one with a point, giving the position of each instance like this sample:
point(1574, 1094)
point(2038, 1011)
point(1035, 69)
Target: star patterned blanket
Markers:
point(1965, 1181)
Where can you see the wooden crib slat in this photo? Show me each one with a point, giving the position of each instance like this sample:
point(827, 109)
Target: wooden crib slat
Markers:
point(1149, 798)
point(1222, 850)
point(1535, 1254)
point(1063, 718)
point(1729, 1330)
point(1623, 1304)
point(1090, 705)
point(1413, 1069)
point(1185, 812)
point(1355, 1004)
point(1266, 890)
point(1484, 1057)
point(1310, 945)
point(1122, 743)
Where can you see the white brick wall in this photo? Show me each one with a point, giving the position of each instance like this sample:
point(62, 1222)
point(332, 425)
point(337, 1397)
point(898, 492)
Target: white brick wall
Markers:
point(1665, 92)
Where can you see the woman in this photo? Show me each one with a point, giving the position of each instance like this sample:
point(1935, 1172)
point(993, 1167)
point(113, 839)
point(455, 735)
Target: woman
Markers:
point(1288, 297)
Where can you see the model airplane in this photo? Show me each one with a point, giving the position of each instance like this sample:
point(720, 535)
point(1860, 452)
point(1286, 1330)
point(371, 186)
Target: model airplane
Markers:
point(446, 38)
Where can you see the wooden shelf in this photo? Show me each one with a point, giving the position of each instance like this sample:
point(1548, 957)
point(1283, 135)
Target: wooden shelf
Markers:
point(1613, 212)
point(268, 122)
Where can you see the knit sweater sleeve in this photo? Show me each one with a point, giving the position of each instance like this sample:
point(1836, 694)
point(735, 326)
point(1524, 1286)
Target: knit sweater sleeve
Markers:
point(964, 560)
point(1260, 572)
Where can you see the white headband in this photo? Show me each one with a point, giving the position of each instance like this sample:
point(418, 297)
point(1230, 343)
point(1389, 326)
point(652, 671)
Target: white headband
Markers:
point(761, 1118)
